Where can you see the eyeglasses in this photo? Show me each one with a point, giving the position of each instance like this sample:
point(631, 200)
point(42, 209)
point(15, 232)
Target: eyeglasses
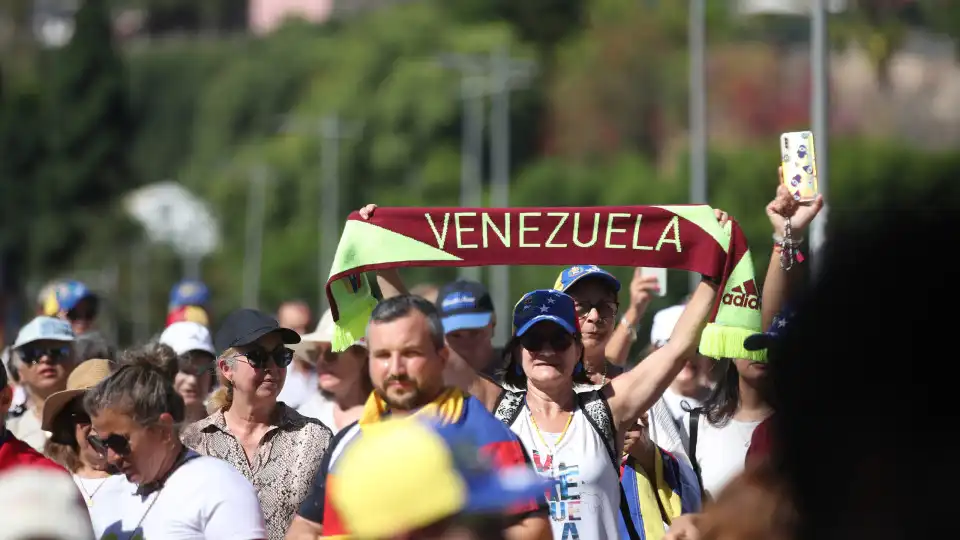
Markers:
point(558, 342)
point(260, 359)
point(33, 356)
point(118, 443)
point(195, 364)
point(606, 310)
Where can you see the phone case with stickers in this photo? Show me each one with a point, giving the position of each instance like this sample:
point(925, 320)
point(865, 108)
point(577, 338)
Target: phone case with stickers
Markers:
point(798, 158)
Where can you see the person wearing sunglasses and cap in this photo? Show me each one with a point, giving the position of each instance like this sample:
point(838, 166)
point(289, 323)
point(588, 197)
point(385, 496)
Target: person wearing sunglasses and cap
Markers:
point(69, 424)
point(73, 302)
point(577, 437)
point(276, 448)
point(43, 356)
point(136, 417)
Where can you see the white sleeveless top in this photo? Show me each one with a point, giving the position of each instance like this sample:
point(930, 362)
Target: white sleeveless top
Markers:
point(585, 502)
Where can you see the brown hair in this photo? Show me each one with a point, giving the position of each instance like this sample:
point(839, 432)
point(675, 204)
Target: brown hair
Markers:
point(62, 445)
point(755, 505)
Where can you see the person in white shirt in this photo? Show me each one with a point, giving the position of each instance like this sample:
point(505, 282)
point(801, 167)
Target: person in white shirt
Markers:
point(43, 355)
point(40, 503)
point(175, 493)
point(343, 380)
point(69, 425)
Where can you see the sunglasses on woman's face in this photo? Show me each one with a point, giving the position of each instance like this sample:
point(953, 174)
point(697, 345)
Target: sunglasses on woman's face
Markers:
point(606, 310)
point(55, 356)
point(260, 359)
point(118, 443)
point(558, 341)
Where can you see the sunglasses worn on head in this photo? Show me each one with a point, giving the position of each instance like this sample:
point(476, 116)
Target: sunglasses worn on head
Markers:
point(55, 356)
point(557, 341)
point(260, 359)
point(118, 443)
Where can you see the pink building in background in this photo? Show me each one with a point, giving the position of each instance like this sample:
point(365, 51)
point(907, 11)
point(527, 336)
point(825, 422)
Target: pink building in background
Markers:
point(267, 15)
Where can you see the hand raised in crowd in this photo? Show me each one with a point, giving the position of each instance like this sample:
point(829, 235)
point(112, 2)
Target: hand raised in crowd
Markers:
point(641, 290)
point(367, 211)
point(785, 206)
point(722, 217)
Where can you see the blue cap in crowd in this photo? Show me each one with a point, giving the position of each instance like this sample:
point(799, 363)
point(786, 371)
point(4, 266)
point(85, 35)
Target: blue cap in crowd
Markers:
point(574, 274)
point(545, 305)
point(763, 340)
point(464, 305)
point(65, 296)
point(189, 292)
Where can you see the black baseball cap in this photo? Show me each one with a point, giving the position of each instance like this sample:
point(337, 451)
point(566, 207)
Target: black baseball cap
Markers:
point(464, 305)
point(245, 326)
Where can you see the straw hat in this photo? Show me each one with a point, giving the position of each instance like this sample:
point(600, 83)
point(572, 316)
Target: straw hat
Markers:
point(85, 376)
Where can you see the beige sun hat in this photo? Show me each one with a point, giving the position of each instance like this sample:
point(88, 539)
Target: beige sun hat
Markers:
point(84, 377)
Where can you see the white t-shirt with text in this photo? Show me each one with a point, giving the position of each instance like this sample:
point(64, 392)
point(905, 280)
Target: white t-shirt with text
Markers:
point(204, 499)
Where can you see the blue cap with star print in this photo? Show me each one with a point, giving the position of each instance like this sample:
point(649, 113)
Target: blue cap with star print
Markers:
point(545, 305)
point(761, 341)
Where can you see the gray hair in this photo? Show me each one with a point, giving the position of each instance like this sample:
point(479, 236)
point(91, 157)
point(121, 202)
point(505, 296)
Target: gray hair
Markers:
point(142, 388)
point(398, 307)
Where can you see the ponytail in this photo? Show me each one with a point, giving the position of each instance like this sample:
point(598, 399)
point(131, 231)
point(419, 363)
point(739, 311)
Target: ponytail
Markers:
point(222, 398)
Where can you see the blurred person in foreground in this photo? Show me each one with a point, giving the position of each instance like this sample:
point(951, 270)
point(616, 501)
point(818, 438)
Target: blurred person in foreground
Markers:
point(14, 452)
point(136, 416)
point(196, 361)
point(342, 379)
point(408, 356)
point(276, 448)
point(37, 504)
point(69, 425)
point(469, 321)
point(75, 303)
point(378, 485)
point(44, 359)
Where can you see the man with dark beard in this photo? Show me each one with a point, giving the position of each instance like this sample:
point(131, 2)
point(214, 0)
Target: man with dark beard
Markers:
point(408, 355)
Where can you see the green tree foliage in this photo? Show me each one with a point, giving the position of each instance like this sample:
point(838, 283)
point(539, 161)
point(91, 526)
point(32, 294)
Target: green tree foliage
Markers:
point(89, 131)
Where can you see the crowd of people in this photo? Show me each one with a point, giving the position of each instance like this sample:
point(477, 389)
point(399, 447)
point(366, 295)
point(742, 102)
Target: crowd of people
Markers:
point(422, 429)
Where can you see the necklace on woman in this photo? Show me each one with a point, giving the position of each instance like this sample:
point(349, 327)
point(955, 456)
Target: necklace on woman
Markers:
point(88, 495)
point(547, 463)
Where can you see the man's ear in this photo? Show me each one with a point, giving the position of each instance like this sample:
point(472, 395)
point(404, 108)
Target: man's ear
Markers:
point(444, 353)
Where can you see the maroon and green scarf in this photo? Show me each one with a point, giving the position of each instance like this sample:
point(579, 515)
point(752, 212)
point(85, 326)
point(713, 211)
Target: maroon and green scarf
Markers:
point(682, 237)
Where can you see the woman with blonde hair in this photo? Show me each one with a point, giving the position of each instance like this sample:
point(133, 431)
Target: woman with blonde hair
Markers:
point(69, 424)
point(276, 448)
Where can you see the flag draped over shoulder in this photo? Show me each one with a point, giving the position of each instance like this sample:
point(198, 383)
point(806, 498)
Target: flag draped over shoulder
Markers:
point(682, 237)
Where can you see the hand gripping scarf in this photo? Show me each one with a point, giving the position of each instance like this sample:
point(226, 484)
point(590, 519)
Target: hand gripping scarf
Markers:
point(682, 237)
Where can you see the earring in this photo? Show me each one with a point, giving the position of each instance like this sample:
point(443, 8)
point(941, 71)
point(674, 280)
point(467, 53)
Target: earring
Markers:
point(578, 368)
point(517, 369)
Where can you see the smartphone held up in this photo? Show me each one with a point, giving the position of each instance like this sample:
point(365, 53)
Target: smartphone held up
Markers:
point(798, 161)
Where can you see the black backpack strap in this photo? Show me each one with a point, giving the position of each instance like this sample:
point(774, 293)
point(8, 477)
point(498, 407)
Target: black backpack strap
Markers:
point(508, 406)
point(694, 432)
point(597, 411)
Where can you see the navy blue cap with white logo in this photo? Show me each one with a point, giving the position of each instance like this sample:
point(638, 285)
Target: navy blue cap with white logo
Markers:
point(763, 340)
point(464, 305)
point(545, 305)
point(574, 274)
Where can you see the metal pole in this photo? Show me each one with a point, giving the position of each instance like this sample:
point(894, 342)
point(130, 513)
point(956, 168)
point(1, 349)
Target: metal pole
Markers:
point(500, 188)
point(330, 128)
point(819, 112)
point(471, 153)
point(255, 218)
point(698, 109)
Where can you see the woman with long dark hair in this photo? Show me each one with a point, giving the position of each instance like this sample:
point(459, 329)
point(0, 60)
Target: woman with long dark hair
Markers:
point(69, 425)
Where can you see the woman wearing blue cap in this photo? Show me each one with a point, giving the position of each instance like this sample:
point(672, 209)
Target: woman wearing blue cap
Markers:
point(576, 438)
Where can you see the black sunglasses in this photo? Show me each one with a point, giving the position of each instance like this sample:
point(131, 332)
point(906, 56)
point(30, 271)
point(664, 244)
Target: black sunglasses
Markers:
point(195, 364)
point(118, 443)
point(55, 356)
point(558, 341)
point(260, 359)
